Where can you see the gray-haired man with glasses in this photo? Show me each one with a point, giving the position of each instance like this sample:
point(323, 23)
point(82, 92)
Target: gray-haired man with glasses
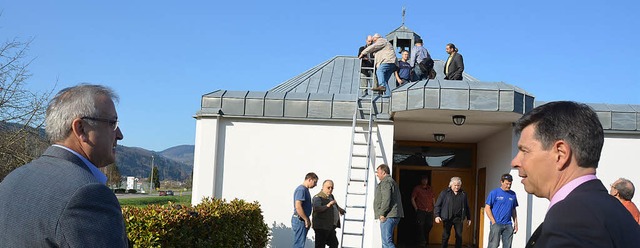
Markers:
point(60, 199)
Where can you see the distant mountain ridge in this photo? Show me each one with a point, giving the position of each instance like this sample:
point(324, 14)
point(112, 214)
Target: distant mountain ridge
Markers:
point(175, 163)
point(182, 153)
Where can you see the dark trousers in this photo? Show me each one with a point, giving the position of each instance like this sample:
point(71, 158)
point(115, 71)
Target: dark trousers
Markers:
point(425, 223)
point(326, 237)
point(457, 225)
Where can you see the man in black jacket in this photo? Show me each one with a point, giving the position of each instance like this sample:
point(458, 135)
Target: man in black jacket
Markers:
point(454, 66)
point(326, 216)
point(452, 208)
point(367, 62)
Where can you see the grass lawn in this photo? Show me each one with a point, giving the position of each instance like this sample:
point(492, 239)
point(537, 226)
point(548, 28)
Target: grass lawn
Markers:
point(160, 200)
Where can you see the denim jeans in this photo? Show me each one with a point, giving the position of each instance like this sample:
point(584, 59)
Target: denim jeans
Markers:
point(384, 72)
point(500, 230)
point(386, 230)
point(299, 232)
point(457, 225)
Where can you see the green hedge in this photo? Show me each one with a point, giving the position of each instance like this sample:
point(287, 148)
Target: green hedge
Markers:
point(212, 223)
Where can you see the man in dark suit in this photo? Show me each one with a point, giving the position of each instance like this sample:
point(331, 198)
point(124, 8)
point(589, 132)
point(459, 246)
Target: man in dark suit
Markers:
point(454, 66)
point(559, 150)
point(60, 199)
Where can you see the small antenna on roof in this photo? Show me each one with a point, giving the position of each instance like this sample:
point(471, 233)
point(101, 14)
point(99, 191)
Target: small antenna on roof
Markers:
point(404, 10)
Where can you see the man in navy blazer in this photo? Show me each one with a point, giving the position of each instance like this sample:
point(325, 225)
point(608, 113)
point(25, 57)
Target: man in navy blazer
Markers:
point(60, 199)
point(559, 150)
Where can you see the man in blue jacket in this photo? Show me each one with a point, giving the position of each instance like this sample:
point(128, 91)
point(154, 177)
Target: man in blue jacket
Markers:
point(452, 208)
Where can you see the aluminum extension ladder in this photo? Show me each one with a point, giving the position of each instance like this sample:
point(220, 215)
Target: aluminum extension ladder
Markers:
point(361, 157)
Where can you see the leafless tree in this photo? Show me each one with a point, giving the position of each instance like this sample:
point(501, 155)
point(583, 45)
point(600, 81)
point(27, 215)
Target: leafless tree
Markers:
point(113, 175)
point(21, 110)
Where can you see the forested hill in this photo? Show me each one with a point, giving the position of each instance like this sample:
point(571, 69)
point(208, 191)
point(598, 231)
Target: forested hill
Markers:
point(175, 163)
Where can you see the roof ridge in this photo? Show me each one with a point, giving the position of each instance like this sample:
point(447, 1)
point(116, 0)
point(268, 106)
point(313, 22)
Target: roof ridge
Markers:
point(292, 83)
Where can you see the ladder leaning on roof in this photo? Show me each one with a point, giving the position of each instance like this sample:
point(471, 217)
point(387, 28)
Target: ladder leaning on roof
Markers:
point(361, 156)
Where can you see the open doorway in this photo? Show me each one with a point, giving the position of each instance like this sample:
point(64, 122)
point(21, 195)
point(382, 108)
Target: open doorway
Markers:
point(439, 162)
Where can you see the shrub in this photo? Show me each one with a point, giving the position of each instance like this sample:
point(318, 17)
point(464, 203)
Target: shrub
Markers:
point(119, 191)
point(212, 223)
point(132, 191)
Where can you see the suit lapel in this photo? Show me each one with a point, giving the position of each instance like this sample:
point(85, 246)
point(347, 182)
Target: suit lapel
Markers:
point(534, 237)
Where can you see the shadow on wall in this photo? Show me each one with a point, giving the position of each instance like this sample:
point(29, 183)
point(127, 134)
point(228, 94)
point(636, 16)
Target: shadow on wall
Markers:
point(282, 236)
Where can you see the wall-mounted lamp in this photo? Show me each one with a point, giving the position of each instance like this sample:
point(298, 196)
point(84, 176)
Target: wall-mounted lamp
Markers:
point(439, 137)
point(459, 119)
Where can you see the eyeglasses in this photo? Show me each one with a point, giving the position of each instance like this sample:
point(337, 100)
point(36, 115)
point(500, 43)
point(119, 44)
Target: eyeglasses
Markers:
point(112, 123)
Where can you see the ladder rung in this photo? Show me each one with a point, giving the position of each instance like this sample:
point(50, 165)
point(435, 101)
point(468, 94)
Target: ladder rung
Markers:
point(358, 168)
point(355, 206)
point(356, 193)
point(363, 131)
point(360, 194)
point(352, 234)
point(359, 155)
point(360, 143)
point(359, 220)
point(366, 68)
point(358, 180)
point(361, 109)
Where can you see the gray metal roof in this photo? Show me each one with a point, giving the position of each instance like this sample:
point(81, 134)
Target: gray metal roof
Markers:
point(615, 117)
point(402, 32)
point(329, 91)
point(467, 94)
point(339, 75)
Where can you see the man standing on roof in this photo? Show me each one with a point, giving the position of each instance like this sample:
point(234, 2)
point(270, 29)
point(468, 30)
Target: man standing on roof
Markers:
point(418, 54)
point(454, 66)
point(385, 61)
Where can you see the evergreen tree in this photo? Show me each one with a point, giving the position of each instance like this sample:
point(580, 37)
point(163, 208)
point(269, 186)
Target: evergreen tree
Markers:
point(156, 178)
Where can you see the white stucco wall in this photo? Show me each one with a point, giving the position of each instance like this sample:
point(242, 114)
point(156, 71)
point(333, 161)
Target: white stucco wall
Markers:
point(620, 158)
point(204, 157)
point(265, 160)
point(495, 154)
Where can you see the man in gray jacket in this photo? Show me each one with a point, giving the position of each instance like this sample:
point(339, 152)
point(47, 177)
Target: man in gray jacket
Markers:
point(387, 204)
point(60, 199)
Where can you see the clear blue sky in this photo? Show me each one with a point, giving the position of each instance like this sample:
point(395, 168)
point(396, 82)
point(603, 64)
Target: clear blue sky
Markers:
point(162, 56)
